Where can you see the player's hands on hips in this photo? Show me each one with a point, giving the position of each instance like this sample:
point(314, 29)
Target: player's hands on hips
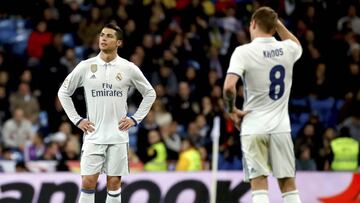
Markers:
point(126, 123)
point(236, 116)
point(86, 126)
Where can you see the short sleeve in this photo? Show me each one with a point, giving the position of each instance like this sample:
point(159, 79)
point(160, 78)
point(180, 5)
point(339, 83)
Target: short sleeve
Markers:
point(296, 49)
point(236, 65)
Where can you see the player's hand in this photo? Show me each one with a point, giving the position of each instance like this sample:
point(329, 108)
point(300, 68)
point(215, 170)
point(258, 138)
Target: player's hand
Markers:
point(236, 116)
point(126, 123)
point(86, 126)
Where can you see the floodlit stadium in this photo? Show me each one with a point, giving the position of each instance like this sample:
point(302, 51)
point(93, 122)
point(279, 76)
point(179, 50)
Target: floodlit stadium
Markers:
point(183, 99)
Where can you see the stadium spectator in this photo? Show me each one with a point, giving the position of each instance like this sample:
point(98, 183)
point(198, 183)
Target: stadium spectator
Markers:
point(156, 152)
point(172, 140)
point(71, 17)
point(69, 60)
point(35, 149)
point(214, 61)
point(352, 123)
point(4, 78)
point(307, 136)
point(189, 158)
point(166, 77)
point(323, 157)
point(17, 130)
point(4, 112)
point(346, 152)
point(350, 22)
point(23, 98)
point(321, 85)
point(207, 109)
point(305, 162)
point(184, 104)
point(38, 39)
point(162, 117)
point(52, 152)
point(56, 115)
point(21, 167)
point(193, 133)
point(71, 149)
point(142, 143)
point(132, 36)
point(90, 27)
point(104, 8)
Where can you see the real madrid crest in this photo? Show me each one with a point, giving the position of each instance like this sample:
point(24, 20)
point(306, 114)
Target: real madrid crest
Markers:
point(93, 68)
point(118, 77)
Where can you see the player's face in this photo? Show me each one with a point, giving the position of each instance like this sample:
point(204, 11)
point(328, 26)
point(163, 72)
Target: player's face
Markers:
point(108, 40)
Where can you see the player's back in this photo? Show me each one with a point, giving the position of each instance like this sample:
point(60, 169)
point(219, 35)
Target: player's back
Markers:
point(266, 66)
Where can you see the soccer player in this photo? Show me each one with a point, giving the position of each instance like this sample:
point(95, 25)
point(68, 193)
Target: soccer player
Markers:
point(106, 79)
point(265, 66)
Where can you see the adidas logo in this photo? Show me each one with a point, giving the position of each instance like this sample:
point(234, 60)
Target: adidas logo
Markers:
point(93, 77)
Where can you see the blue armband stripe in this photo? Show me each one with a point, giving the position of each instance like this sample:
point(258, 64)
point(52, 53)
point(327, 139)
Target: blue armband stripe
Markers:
point(134, 120)
point(87, 191)
point(77, 123)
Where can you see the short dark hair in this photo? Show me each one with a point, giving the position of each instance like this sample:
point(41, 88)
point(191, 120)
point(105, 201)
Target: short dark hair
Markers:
point(119, 32)
point(266, 18)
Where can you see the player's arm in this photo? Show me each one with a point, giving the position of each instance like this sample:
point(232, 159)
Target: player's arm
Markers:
point(236, 69)
point(229, 92)
point(284, 33)
point(148, 93)
point(229, 96)
point(67, 89)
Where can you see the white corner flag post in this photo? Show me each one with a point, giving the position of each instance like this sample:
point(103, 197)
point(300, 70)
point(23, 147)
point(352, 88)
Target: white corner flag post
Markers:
point(215, 134)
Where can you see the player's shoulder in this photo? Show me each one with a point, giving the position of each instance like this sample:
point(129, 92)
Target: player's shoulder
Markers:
point(244, 46)
point(290, 43)
point(241, 49)
point(124, 63)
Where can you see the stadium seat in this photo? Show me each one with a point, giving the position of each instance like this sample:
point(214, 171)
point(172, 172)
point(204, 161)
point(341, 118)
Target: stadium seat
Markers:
point(324, 109)
point(295, 128)
point(68, 40)
point(8, 30)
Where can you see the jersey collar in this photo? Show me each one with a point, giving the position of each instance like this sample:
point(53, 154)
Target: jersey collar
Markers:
point(264, 39)
point(111, 63)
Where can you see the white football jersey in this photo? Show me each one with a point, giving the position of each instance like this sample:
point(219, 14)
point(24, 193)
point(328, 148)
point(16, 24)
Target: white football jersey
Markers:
point(106, 87)
point(266, 67)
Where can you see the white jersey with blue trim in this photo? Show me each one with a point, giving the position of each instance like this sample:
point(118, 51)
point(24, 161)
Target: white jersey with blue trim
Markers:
point(266, 67)
point(106, 88)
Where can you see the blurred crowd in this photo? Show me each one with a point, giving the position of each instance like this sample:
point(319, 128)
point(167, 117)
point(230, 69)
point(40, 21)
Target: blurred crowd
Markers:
point(183, 48)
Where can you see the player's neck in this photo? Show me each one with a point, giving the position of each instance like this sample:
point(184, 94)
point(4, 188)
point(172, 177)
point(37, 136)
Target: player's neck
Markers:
point(260, 35)
point(107, 57)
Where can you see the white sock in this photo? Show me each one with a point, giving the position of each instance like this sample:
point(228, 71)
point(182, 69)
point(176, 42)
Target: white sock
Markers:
point(260, 196)
point(291, 197)
point(114, 196)
point(87, 196)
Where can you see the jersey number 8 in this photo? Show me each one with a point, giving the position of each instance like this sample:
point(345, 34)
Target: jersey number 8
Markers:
point(277, 85)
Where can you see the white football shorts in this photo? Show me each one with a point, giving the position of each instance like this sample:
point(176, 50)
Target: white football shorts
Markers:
point(268, 152)
point(111, 159)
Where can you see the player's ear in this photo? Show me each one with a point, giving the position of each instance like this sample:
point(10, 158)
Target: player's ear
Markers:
point(119, 43)
point(253, 24)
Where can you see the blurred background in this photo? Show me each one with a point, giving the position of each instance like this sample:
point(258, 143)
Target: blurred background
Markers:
point(183, 48)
